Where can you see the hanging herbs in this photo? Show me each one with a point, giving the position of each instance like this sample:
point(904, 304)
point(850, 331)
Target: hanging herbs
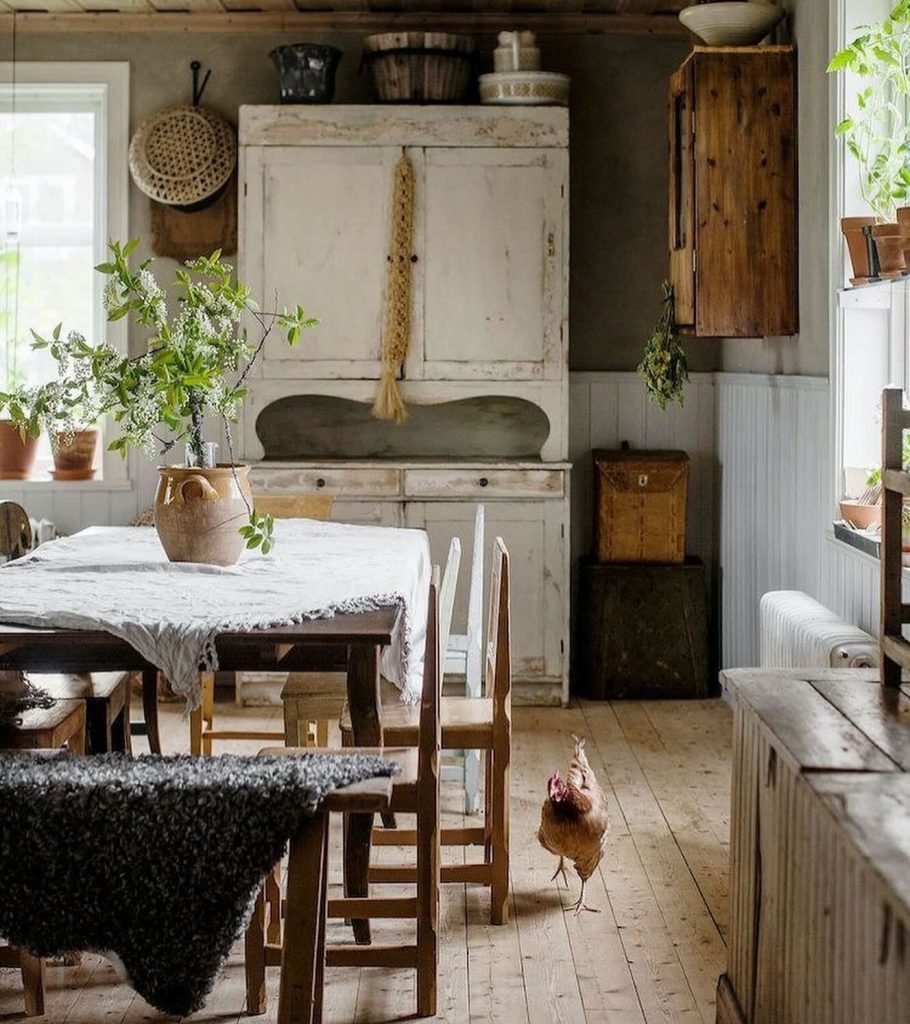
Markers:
point(663, 368)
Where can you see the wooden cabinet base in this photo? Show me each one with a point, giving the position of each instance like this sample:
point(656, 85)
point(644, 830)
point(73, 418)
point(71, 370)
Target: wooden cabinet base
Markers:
point(728, 1011)
point(643, 630)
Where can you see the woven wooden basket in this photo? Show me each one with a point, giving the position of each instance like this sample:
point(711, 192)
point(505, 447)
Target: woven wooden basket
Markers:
point(182, 156)
point(420, 67)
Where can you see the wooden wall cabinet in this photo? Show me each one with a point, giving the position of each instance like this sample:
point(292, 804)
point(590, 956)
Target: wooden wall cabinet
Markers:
point(733, 191)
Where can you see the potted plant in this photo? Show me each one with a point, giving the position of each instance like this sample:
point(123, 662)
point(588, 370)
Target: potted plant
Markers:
point(20, 429)
point(878, 136)
point(197, 361)
point(664, 368)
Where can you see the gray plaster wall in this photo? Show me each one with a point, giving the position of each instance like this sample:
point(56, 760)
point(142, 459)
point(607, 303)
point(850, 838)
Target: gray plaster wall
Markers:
point(618, 153)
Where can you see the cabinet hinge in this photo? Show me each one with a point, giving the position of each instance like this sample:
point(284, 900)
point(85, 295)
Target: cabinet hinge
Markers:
point(693, 122)
point(562, 647)
point(562, 530)
point(244, 188)
point(694, 261)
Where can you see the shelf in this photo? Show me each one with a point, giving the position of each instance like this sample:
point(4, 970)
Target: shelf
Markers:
point(557, 22)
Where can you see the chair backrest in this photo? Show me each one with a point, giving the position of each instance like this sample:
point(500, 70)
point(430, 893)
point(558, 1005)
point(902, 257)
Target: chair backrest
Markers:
point(430, 737)
point(15, 531)
point(498, 668)
point(447, 593)
point(294, 506)
point(474, 665)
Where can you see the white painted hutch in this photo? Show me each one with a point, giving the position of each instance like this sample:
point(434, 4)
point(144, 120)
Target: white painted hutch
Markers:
point(489, 318)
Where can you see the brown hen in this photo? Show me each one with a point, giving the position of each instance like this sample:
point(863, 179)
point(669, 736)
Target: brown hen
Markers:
point(573, 820)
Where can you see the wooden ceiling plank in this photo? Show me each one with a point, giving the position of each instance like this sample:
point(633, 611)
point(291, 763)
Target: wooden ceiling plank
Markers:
point(65, 18)
point(190, 6)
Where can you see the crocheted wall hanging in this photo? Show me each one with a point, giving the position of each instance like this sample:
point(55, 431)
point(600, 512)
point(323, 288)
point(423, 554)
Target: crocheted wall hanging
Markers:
point(396, 335)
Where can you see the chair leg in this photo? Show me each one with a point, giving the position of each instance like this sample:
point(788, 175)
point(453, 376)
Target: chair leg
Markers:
point(126, 736)
point(150, 708)
point(319, 992)
point(472, 781)
point(254, 957)
point(322, 733)
point(299, 958)
point(196, 731)
point(208, 710)
point(273, 896)
point(358, 833)
point(500, 783)
point(97, 727)
point(32, 968)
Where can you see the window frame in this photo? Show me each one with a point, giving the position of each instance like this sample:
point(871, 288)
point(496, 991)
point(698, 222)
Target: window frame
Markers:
point(112, 80)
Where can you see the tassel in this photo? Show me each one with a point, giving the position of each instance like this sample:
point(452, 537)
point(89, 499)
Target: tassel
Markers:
point(389, 404)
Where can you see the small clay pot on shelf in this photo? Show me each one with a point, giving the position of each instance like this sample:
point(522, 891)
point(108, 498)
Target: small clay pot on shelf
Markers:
point(74, 455)
point(889, 244)
point(17, 454)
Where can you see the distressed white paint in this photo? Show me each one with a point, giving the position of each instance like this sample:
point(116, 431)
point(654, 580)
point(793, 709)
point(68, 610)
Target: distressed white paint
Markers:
point(426, 126)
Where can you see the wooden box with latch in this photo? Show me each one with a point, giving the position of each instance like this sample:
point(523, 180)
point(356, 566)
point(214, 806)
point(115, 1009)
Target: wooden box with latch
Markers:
point(640, 505)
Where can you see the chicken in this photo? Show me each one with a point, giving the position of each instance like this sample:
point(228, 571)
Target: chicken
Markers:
point(573, 821)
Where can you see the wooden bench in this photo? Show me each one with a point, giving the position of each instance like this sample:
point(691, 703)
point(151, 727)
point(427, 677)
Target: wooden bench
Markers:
point(107, 705)
point(819, 862)
point(62, 725)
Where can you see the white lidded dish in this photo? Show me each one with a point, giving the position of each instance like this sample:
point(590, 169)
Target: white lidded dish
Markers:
point(525, 88)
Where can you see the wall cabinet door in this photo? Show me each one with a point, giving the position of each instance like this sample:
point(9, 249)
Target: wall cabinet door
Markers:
point(494, 255)
point(532, 531)
point(316, 227)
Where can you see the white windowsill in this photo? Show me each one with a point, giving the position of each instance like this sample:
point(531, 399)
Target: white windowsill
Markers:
point(17, 486)
point(860, 556)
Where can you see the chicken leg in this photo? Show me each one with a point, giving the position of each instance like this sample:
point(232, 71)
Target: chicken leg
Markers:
point(580, 905)
point(560, 870)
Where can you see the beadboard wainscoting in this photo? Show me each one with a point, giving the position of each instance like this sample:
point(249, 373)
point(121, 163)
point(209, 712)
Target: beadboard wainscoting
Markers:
point(773, 497)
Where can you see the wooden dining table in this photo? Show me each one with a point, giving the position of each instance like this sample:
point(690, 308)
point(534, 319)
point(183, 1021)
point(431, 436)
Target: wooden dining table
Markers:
point(350, 643)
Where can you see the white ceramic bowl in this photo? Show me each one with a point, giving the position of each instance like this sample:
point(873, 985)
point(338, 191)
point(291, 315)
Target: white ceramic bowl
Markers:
point(731, 22)
point(525, 88)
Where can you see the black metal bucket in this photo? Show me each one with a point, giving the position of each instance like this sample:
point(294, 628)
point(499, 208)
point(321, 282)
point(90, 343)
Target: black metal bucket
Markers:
point(306, 71)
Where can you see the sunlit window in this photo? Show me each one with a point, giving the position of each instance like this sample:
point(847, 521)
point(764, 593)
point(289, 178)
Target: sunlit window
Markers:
point(61, 198)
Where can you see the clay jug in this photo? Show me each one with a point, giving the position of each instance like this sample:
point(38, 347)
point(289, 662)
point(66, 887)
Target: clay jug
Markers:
point(198, 512)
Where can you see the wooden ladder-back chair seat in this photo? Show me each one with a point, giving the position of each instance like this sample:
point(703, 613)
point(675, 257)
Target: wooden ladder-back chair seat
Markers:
point(107, 697)
point(202, 722)
point(414, 791)
point(478, 723)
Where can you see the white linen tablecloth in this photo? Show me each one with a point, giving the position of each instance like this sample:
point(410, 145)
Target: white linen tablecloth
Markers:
point(118, 579)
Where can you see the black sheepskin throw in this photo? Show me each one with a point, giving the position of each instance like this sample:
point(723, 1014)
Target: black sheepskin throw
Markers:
point(153, 859)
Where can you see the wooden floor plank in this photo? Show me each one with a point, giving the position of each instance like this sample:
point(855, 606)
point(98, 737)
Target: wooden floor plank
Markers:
point(651, 955)
point(689, 926)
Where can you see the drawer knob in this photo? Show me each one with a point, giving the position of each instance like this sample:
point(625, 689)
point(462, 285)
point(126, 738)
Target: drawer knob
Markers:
point(483, 482)
point(320, 482)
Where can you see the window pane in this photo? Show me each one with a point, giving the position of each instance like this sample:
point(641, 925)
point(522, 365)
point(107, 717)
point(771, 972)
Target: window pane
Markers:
point(47, 234)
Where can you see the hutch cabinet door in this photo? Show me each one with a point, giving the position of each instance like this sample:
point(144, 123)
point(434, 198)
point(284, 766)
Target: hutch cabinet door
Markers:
point(495, 252)
point(316, 228)
point(532, 531)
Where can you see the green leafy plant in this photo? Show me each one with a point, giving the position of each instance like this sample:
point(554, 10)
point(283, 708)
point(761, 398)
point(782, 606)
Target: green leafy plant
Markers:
point(879, 134)
point(663, 368)
point(25, 407)
point(197, 359)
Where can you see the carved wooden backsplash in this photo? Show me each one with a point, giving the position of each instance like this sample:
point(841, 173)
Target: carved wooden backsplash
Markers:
point(306, 427)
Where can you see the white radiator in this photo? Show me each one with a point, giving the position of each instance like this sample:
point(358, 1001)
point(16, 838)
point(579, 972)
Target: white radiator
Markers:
point(798, 632)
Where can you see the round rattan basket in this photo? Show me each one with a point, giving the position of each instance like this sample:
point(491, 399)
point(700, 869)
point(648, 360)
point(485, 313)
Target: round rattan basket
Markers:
point(183, 156)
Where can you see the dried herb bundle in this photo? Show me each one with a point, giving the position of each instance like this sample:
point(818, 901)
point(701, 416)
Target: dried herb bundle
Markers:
point(663, 368)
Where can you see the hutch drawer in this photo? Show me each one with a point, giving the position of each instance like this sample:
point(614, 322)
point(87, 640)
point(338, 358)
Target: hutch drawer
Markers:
point(342, 481)
point(483, 483)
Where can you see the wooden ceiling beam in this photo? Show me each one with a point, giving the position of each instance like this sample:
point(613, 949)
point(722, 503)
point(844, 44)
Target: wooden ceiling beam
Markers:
point(554, 23)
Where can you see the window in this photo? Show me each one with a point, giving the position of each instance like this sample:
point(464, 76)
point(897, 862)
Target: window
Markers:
point(871, 323)
point(63, 194)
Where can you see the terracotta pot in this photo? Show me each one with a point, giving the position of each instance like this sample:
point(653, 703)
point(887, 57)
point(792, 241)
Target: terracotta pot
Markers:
point(199, 511)
point(17, 457)
point(852, 228)
point(862, 517)
point(75, 460)
point(903, 220)
point(890, 248)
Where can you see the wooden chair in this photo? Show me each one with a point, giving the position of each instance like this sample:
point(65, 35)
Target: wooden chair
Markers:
point(895, 488)
point(15, 531)
point(107, 705)
point(202, 721)
point(483, 723)
point(32, 969)
point(464, 657)
point(301, 951)
point(414, 791)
